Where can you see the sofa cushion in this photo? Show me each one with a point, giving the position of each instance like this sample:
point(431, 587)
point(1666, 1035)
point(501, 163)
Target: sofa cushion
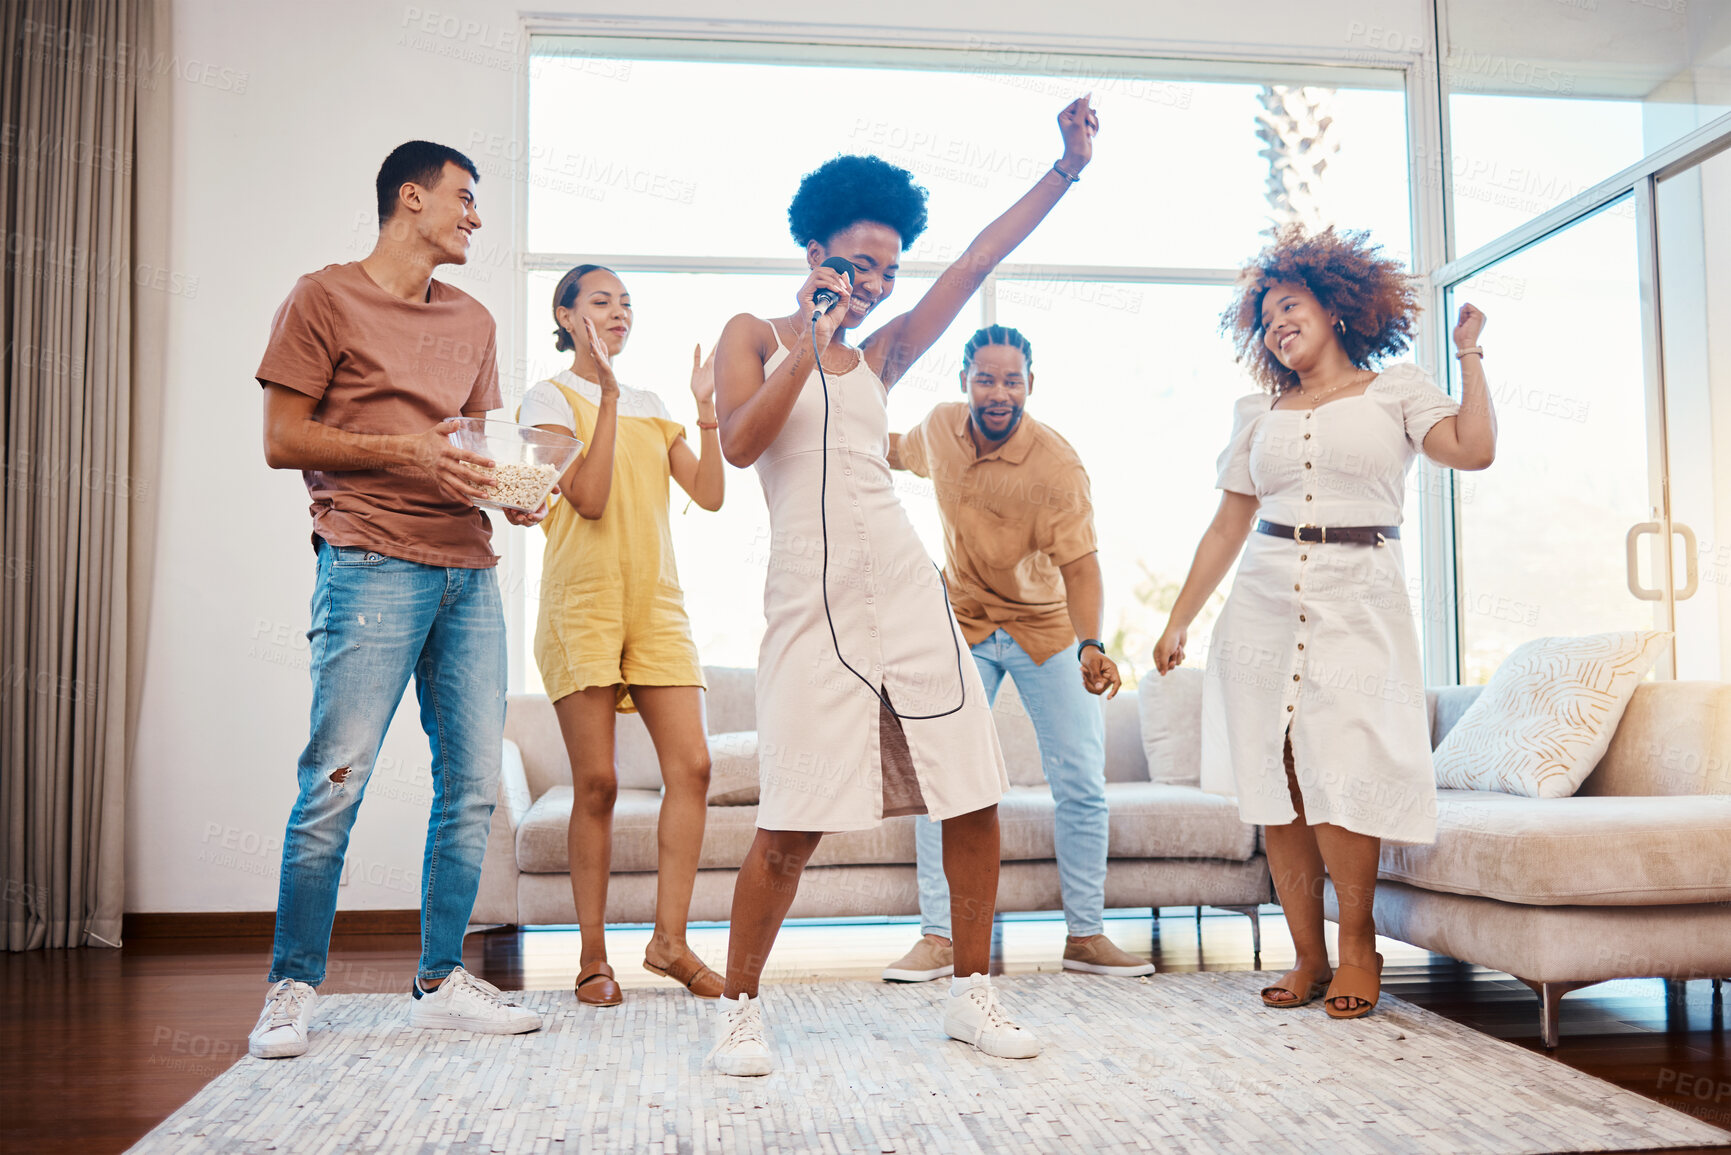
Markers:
point(542, 847)
point(1021, 745)
point(1171, 710)
point(1446, 705)
point(733, 769)
point(1675, 738)
point(1125, 759)
point(728, 831)
point(1548, 714)
point(1162, 820)
point(530, 722)
point(532, 725)
point(1147, 821)
point(1573, 851)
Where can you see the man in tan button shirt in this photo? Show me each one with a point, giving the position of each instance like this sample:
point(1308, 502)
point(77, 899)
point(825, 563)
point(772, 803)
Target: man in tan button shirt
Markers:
point(1024, 578)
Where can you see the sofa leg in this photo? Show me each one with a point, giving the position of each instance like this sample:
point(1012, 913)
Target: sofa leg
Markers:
point(1550, 1006)
point(1254, 914)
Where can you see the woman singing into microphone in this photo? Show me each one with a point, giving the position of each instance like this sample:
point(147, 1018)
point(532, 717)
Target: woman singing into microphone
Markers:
point(868, 704)
point(1314, 708)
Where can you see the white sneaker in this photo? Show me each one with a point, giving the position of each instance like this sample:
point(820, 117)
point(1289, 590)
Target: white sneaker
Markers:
point(740, 1046)
point(281, 1031)
point(974, 1016)
point(466, 1003)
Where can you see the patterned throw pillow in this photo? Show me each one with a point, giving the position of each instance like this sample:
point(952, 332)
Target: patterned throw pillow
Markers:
point(1547, 716)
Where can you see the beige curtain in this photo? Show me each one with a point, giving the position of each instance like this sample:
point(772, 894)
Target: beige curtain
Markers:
point(76, 295)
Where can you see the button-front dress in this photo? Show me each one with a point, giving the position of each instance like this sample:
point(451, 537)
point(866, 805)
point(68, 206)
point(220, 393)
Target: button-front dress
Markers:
point(1319, 638)
point(831, 758)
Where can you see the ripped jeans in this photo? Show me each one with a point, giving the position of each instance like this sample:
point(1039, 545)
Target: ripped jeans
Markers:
point(376, 620)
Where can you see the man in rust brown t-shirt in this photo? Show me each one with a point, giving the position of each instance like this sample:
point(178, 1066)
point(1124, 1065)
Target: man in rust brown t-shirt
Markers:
point(366, 366)
point(1024, 578)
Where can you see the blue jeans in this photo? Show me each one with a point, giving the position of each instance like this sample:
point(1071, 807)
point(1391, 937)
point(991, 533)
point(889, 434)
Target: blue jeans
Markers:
point(1071, 728)
point(376, 620)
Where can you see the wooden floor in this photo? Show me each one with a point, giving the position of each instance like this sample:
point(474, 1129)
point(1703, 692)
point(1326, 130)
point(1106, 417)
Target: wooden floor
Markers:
point(98, 1046)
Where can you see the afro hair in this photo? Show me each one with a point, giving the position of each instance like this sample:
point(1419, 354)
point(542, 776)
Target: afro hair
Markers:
point(1348, 275)
point(849, 189)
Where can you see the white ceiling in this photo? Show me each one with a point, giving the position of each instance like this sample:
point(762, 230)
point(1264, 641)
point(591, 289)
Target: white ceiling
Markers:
point(1609, 48)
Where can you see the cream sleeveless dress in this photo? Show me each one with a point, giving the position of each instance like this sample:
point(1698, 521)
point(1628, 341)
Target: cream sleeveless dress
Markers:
point(830, 757)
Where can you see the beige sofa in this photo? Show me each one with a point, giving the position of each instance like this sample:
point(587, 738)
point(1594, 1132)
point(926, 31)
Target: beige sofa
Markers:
point(1170, 844)
point(1629, 878)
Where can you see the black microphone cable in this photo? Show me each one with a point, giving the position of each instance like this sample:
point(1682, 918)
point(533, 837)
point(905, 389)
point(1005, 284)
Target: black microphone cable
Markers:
point(823, 522)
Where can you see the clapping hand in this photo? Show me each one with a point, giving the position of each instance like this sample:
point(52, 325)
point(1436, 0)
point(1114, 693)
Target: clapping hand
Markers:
point(603, 362)
point(702, 375)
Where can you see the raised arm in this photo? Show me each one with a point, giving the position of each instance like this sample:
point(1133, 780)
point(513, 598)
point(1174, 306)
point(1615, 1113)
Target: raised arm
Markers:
point(899, 343)
point(1469, 439)
point(1221, 544)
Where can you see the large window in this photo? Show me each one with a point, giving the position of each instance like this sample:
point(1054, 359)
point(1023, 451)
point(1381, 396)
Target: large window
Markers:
point(675, 163)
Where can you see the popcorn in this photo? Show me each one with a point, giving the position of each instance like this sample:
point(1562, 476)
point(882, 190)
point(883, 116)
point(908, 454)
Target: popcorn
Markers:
point(518, 486)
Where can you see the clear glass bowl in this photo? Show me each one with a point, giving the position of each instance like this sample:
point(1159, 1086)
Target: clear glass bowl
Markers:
point(526, 461)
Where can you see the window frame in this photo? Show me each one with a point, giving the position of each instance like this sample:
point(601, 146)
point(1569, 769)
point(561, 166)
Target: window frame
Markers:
point(1639, 180)
point(742, 41)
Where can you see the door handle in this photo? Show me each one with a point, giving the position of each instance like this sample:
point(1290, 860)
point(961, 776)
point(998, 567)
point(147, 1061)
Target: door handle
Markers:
point(1636, 532)
point(1691, 572)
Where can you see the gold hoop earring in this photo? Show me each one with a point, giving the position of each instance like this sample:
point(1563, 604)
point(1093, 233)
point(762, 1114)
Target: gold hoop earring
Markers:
point(1340, 326)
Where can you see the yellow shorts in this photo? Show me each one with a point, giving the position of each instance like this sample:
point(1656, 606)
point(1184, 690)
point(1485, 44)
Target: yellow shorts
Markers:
point(599, 638)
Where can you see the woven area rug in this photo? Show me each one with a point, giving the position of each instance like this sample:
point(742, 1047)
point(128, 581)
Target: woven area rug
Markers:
point(1180, 1062)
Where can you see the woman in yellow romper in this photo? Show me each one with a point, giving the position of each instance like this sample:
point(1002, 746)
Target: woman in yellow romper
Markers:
point(612, 635)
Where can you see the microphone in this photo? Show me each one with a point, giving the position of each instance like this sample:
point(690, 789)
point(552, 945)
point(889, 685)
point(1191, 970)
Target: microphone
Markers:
point(825, 299)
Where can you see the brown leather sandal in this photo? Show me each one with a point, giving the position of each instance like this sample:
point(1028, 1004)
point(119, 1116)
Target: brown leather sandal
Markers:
point(596, 988)
point(691, 973)
point(1300, 984)
point(1352, 982)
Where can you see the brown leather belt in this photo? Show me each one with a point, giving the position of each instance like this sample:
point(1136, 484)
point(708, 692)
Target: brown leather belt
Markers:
point(1331, 534)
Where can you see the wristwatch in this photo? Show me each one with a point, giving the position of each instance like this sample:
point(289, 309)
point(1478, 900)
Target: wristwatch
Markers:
point(1086, 642)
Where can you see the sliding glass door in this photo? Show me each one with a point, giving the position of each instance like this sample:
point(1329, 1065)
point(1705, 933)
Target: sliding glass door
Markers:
point(1693, 251)
point(1542, 533)
point(1609, 357)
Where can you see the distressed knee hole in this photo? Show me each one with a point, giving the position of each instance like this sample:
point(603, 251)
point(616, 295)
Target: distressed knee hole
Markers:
point(340, 775)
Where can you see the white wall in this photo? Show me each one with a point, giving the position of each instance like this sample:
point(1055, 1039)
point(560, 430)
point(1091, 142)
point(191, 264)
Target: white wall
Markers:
point(282, 113)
